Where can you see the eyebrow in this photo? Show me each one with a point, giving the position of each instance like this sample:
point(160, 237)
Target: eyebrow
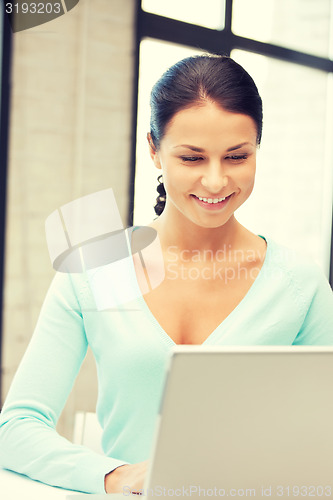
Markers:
point(200, 150)
point(239, 146)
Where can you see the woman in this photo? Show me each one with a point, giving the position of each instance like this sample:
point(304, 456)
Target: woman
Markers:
point(223, 286)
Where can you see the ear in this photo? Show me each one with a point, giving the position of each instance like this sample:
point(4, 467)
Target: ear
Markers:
point(153, 151)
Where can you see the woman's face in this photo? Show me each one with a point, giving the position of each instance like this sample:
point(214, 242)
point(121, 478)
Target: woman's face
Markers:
point(208, 161)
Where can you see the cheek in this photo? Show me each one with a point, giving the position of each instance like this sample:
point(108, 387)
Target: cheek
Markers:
point(175, 179)
point(247, 176)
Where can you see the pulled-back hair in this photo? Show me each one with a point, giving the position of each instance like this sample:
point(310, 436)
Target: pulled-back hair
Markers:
point(196, 80)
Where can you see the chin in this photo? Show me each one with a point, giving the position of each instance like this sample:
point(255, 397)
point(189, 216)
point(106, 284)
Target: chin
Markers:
point(211, 224)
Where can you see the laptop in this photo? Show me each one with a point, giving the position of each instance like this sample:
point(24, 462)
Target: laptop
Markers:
point(243, 422)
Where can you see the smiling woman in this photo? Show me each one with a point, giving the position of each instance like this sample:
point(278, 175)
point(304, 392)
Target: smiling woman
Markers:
point(223, 285)
point(212, 103)
point(208, 158)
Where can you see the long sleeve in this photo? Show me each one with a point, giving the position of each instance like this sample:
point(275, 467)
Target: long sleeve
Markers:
point(29, 443)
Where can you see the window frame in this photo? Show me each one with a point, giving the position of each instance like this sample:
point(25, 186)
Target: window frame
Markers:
point(6, 58)
point(223, 41)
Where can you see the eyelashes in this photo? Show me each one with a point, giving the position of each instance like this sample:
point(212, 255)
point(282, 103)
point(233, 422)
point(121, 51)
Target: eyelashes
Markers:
point(196, 159)
point(237, 157)
point(191, 159)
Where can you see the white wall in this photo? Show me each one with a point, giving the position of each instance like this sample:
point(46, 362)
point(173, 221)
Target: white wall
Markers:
point(69, 136)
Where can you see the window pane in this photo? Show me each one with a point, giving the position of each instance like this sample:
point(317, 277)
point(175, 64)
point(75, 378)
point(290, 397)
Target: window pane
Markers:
point(297, 24)
point(210, 16)
point(155, 58)
point(292, 198)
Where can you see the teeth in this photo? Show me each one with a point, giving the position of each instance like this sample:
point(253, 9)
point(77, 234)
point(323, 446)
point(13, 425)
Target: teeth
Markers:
point(211, 200)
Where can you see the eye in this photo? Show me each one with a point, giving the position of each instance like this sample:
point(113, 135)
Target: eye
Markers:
point(237, 158)
point(191, 159)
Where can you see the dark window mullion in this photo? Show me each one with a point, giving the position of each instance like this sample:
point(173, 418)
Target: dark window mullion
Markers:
point(282, 53)
point(173, 31)
point(4, 133)
point(228, 15)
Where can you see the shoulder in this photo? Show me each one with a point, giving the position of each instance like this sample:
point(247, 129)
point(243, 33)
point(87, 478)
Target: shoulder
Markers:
point(70, 289)
point(291, 260)
point(304, 276)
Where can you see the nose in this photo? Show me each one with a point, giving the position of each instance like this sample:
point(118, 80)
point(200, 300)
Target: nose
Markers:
point(214, 178)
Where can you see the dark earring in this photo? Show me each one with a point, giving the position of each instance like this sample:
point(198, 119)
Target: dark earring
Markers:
point(160, 187)
point(161, 199)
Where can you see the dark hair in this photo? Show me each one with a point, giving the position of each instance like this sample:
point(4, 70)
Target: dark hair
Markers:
point(196, 79)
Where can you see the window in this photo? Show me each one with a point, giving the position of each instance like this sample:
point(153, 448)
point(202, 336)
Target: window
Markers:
point(211, 15)
point(285, 47)
point(292, 160)
point(300, 25)
point(155, 58)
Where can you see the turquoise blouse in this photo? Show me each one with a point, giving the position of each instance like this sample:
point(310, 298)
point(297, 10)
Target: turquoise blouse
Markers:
point(289, 303)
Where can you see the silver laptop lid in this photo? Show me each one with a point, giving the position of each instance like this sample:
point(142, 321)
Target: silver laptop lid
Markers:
point(245, 421)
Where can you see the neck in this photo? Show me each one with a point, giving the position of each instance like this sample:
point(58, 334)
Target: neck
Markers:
point(175, 230)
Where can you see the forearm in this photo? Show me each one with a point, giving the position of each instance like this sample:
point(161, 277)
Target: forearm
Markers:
point(31, 447)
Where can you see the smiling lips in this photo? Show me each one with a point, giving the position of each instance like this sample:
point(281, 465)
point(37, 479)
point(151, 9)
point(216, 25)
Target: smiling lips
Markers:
point(211, 203)
point(211, 200)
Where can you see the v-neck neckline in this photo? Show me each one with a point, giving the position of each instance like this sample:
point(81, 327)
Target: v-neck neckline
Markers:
point(210, 339)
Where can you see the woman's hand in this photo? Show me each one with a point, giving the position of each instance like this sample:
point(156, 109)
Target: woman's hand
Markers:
point(129, 478)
